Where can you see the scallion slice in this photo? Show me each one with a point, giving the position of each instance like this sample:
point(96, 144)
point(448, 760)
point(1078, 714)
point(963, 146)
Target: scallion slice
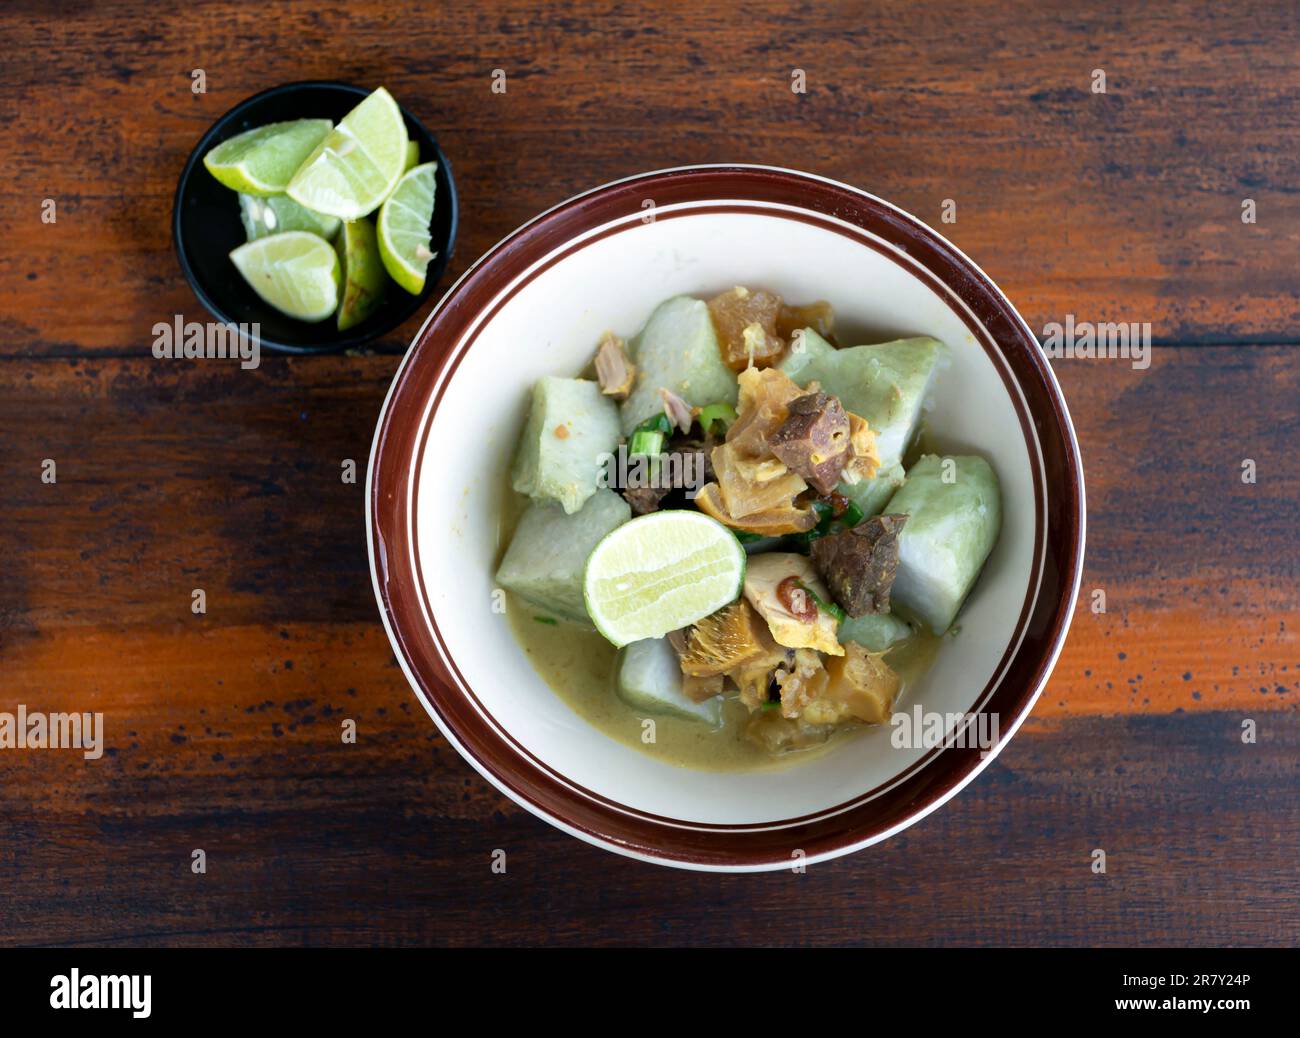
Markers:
point(720, 412)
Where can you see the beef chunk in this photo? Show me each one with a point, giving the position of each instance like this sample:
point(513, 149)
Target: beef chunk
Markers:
point(858, 564)
point(814, 440)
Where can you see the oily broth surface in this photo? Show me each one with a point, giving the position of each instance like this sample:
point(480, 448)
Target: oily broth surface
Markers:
point(578, 666)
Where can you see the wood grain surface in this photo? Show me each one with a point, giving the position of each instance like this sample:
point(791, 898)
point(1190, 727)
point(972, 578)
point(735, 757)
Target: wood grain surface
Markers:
point(223, 729)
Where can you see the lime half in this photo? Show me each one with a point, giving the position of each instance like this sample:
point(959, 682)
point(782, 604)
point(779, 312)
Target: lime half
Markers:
point(358, 163)
point(660, 572)
point(404, 228)
point(263, 161)
point(279, 213)
point(296, 272)
point(363, 272)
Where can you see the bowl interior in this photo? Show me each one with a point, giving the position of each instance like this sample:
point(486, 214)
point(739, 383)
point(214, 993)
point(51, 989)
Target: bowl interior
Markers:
point(547, 321)
point(207, 227)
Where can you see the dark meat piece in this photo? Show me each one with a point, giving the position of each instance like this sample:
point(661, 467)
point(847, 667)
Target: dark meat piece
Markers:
point(696, 467)
point(644, 500)
point(814, 440)
point(858, 564)
point(701, 445)
point(684, 469)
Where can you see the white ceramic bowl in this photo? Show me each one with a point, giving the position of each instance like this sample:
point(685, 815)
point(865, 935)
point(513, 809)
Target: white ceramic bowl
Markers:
point(535, 305)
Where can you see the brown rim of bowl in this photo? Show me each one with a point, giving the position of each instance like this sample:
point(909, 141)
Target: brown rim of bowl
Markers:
point(429, 664)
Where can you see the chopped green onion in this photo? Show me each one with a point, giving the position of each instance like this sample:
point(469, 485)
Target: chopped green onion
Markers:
point(646, 441)
point(720, 412)
point(546, 620)
point(827, 523)
point(659, 423)
point(825, 607)
point(648, 437)
point(745, 537)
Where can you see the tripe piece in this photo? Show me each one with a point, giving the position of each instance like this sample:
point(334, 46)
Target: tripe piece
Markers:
point(863, 685)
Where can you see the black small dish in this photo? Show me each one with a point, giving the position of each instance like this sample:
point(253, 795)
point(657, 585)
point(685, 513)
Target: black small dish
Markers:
point(206, 224)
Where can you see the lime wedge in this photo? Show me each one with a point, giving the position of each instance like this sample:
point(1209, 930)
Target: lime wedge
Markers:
point(412, 155)
point(296, 272)
point(358, 163)
point(363, 273)
point(404, 228)
point(279, 213)
point(263, 161)
point(661, 572)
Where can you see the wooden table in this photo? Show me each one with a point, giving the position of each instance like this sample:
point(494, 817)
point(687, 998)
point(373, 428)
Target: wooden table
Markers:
point(223, 729)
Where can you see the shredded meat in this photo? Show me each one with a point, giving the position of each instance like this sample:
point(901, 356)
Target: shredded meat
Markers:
point(677, 410)
point(614, 371)
point(801, 682)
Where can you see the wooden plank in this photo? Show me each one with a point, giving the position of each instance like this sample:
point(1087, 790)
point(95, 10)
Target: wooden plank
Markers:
point(224, 730)
point(391, 843)
point(1124, 206)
